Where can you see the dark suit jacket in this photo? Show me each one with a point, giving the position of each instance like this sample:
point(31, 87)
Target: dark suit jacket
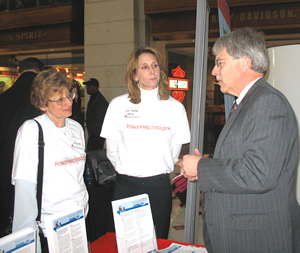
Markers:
point(15, 109)
point(250, 183)
point(95, 114)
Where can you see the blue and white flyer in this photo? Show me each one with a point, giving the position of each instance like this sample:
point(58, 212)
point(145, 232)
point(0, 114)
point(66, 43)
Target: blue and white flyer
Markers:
point(23, 240)
point(134, 225)
point(66, 231)
point(175, 247)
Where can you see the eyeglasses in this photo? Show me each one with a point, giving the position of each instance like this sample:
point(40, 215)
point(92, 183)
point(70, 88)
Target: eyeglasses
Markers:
point(61, 101)
point(219, 62)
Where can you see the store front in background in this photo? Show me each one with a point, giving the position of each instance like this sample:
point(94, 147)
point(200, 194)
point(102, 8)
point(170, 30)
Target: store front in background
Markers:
point(38, 29)
point(63, 62)
point(173, 26)
point(69, 64)
point(183, 55)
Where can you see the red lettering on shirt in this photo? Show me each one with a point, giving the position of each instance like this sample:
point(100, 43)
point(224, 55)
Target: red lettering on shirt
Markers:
point(70, 161)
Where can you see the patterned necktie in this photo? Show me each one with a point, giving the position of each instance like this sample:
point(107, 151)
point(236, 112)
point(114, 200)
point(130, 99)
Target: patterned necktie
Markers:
point(234, 106)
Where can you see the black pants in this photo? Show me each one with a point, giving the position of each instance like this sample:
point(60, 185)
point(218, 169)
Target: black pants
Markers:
point(159, 191)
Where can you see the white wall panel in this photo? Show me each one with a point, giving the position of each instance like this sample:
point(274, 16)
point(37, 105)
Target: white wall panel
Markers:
point(284, 75)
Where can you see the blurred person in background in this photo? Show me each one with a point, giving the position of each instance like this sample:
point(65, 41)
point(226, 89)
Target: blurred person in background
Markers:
point(95, 113)
point(15, 109)
point(77, 114)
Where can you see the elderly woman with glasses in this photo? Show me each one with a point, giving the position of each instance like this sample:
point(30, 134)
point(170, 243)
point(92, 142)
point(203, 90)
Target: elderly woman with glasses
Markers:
point(64, 156)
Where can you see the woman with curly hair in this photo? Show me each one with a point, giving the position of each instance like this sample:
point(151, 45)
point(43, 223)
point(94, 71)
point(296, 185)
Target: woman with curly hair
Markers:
point(64, 156)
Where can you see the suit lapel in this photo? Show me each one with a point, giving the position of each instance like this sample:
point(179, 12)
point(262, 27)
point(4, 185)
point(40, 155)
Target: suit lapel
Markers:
point(227, 127)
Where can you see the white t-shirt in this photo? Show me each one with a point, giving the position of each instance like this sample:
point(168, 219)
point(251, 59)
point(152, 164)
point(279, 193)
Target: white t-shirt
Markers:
point(145, 133)
point(64, 161)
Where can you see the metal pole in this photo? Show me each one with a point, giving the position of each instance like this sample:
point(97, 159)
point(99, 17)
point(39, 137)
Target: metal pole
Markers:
point(198, 115)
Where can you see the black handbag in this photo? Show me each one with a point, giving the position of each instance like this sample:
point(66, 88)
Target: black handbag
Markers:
point(8, 229)
point(103, 169)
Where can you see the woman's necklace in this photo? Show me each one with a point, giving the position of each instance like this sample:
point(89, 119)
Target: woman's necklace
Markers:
point(64, 130)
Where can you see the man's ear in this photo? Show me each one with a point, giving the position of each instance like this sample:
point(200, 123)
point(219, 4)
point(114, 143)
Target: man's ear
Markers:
point(246, 63)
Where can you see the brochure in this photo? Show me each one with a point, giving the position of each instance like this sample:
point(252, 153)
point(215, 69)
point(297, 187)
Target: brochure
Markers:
point(174, 247)
point(134, 226)
point(66, 231)
point(21, 241)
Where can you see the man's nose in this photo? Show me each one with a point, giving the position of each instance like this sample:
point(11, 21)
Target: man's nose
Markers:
point(215, 71)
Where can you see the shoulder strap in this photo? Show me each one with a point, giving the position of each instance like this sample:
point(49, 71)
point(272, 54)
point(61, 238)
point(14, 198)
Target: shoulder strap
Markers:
point(40, 174)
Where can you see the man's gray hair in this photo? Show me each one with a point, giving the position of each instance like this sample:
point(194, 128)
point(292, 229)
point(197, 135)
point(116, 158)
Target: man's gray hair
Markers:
point(245, 43)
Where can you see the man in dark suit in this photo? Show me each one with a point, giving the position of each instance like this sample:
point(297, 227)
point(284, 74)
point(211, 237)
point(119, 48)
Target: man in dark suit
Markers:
point(15, 109)
point(95, 113)
point(250, 203)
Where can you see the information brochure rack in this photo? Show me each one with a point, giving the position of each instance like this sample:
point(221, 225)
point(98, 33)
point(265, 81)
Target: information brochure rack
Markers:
point(134, 226)
point(66, 231)
point(23, 240)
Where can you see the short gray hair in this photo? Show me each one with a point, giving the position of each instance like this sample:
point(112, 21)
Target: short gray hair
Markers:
point(245, 43)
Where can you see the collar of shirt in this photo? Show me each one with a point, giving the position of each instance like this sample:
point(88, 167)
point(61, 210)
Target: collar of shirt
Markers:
point(244, 91)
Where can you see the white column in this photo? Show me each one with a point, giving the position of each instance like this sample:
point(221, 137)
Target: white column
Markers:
point(113, 29)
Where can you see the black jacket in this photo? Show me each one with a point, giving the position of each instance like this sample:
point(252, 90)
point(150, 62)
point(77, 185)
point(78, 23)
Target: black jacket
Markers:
point(95, 113)
point(15, 108)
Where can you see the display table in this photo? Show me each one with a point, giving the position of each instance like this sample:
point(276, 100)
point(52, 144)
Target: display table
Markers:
point(107, 244)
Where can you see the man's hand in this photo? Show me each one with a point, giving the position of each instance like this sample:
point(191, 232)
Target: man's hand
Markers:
point(189, 165)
